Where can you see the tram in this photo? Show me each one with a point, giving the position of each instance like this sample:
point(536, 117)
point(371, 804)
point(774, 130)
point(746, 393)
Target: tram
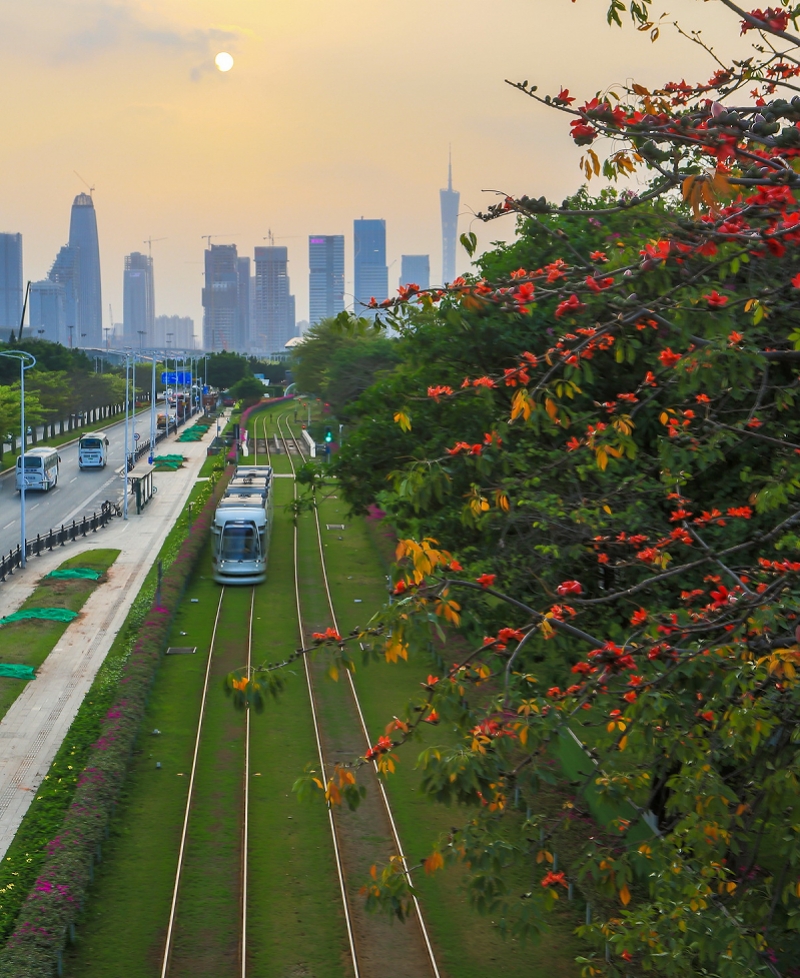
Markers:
point(242, 526)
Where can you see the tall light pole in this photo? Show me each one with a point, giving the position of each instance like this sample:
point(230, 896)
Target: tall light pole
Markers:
point(26, 361)
point(127, 409)
point(153, 412)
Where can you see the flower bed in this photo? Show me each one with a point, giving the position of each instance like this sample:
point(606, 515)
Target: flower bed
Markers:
point(34, 948)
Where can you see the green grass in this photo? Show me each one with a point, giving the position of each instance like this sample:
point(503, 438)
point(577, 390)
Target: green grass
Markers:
point(468, 945)
point(30, 642)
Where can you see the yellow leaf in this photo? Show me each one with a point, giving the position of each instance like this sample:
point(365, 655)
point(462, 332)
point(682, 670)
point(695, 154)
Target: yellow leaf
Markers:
point(521, 404)
point(625, 895)
point(333, 672)
point(433, 862)
point(623, 743)
point(523, 736)
point(602, 459)
point(395, 649)
point(607, 509)
point(403, 420)
point(640, 89)
point(501, 500)
point(551, 407)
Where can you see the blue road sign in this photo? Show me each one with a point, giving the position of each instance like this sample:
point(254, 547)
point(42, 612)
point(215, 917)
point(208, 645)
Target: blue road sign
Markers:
point(176, 377)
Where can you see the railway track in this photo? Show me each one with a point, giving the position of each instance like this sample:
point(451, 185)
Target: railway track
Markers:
point(424, 936)
point(176, 958)
point(173, 923)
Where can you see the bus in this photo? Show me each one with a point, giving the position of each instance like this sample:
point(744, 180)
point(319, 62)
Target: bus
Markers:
point(41, 469)
point(93, 450)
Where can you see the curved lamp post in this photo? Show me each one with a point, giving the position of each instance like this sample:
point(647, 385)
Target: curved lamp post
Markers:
point(26, 361)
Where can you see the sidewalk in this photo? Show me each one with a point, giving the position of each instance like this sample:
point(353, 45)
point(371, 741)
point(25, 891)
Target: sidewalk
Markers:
point(34, 727)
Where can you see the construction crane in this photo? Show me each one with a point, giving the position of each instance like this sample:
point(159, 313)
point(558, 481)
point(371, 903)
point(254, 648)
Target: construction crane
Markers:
point(208, 237)
point(269, 236)
point(84, 182)
point(149, 242)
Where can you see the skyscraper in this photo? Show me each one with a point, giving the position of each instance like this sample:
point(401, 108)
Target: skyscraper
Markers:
point(415, 270)
point(273, 314)
point(326, 276)
point(243, 328)
point(175, 333)
point(48, 311)
point(371, 273)
point(221, 299)
point(449, 202)
point(83, 240)
point(10, 281)
point(138, 301)
point(66, 272)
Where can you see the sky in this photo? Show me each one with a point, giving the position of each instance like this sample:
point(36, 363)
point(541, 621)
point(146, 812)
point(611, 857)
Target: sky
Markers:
point(333, 110)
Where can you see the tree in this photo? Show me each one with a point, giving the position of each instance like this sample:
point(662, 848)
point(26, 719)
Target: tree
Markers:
point(340, 357)
point(224, 369)
point(248, 389)
point(604, 506)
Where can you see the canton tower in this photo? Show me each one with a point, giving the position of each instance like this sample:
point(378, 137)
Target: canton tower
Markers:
point(83, 242)
point(449, 200)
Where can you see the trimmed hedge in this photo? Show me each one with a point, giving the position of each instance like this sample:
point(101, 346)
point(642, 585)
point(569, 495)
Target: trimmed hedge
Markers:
point(34, 948)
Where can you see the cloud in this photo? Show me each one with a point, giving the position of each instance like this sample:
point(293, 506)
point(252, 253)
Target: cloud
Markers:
point(107, 26)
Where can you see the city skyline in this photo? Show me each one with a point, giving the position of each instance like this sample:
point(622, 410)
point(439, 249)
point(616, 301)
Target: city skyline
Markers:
point(177, 150)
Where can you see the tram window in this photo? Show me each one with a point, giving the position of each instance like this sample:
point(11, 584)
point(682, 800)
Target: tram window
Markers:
point(239, 543)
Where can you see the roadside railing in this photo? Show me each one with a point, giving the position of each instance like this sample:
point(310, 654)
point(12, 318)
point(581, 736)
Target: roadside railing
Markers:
point(58, 538)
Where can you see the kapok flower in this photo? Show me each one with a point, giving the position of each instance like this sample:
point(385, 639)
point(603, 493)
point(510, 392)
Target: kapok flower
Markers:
point(486, 580)
point(715, 300)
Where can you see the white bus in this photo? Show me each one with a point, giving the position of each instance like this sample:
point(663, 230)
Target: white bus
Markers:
point(93, 450)
point(41, 469)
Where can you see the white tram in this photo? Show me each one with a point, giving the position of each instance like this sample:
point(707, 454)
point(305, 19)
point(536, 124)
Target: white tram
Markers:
point(242, 525)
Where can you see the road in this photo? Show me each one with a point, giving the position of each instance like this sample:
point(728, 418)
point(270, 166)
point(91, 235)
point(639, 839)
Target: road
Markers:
point(77, 493)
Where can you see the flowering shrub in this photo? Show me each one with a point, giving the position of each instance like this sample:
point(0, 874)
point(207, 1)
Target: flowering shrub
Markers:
point(58, 892)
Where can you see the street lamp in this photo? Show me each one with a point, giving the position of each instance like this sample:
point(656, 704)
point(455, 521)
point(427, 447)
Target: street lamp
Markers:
point(26, 361)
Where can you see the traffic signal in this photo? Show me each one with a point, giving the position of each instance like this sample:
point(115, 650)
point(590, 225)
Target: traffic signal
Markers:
point(328, 435)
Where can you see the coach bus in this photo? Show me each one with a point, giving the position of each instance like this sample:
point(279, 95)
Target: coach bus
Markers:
point(41, 469)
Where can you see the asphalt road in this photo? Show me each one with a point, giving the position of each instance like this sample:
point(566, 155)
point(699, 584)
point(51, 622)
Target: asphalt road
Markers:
point(78, 493)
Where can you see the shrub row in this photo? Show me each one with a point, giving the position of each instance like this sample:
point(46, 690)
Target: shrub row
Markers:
point(34, 948)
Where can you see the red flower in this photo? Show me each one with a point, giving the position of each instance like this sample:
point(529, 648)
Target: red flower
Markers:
point(573, 444)
point(432, 717)
point(715, 300)
point(486, 580)
point(582, 132)
point(510, 634)
point(564, 97)
point(773, 18)
point(702, 399)
point(569, 587)
point(554, 878)
point(601, 256)
point(796, 281)
point(668, 358)
point(454, 566)
point(573, 304)
point(639, 617)
point(742, 511)
point(630, 696)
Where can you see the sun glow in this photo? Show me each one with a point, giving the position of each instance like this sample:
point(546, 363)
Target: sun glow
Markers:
point(224, 61)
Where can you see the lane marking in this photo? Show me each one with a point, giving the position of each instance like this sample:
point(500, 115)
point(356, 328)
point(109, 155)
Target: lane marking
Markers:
point(9, 524)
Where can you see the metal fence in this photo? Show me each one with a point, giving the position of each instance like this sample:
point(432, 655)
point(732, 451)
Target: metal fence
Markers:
point(58, 538)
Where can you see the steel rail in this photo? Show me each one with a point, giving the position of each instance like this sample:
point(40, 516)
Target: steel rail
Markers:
point(315, 720)
point(184, 831)
point(246, 793)
point(420, 918)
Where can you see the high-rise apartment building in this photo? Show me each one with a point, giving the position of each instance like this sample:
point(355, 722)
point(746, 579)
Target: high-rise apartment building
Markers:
point(10, 281)
point(243, 273)
point(66, 273)
point(415, 270)
point(83, 240)
point(371, 273)
point(273, 314)
point(221, 300)
point(175, 333)
point(138, 301)
point(449, 199)
point(326, 276)
point(48, 317)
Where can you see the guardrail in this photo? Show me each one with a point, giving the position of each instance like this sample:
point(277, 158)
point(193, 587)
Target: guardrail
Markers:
point(58, 538)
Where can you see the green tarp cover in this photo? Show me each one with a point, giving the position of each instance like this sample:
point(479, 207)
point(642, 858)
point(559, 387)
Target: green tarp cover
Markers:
point(49, 614)
point(17, 672)
point(70, 572)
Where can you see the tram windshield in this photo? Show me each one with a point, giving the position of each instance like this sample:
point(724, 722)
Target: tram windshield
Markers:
point(239, 542)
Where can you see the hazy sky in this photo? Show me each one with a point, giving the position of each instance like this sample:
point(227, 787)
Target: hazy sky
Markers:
point(334, 109)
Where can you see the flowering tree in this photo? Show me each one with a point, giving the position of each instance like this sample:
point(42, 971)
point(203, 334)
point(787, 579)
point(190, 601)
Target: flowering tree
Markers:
point(598, 485)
